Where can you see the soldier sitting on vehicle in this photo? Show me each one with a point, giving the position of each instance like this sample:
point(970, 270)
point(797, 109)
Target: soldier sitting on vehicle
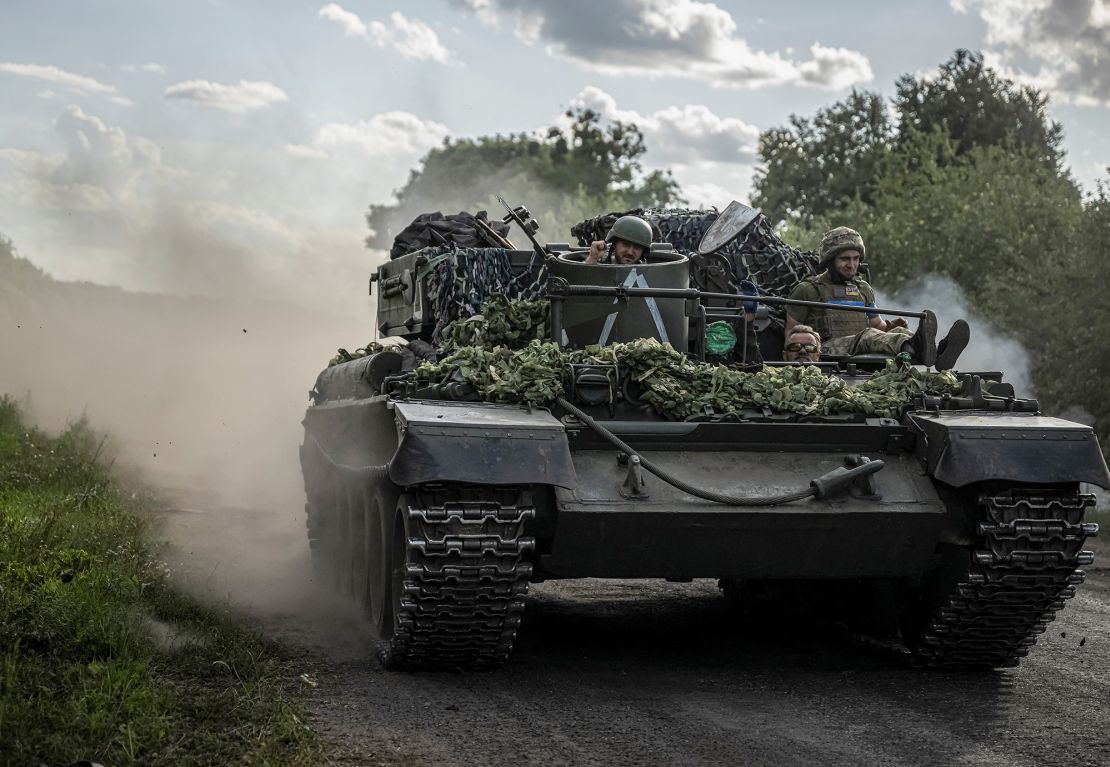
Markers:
point(802, 345)
point(627, 242)
point(846, 333)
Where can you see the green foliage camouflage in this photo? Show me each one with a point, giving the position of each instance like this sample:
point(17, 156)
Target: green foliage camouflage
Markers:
point(508, 322)
point(678, 387)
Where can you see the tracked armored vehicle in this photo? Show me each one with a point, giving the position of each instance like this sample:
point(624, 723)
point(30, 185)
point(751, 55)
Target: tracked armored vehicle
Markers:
point(951, 521)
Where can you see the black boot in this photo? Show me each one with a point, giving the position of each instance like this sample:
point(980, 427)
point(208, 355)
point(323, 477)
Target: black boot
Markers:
point(952, 345)
point(923, 344)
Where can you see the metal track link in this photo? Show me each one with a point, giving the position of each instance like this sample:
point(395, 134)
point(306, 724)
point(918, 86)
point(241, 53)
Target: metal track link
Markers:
point(1024, 569)
point(465, 581)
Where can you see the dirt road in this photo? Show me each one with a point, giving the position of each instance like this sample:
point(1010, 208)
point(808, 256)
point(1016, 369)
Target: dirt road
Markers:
point(647, 673)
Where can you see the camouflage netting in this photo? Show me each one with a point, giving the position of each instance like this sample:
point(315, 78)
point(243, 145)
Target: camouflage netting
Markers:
point(462, 230)
point(673, 384)
point(759, 254)
point(461, 279)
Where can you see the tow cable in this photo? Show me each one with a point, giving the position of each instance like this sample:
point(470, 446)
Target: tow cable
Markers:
point(835, 481)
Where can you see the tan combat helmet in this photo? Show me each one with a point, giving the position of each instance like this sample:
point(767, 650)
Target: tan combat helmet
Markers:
point(839, 240)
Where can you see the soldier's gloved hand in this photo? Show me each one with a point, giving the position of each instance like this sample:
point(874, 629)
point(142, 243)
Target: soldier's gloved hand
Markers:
point(748, 288)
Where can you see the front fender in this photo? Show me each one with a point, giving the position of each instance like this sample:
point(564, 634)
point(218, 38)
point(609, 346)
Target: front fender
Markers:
point(478, 442)
point(962, 448)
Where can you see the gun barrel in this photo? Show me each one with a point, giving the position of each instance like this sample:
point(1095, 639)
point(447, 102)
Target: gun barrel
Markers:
point(561, 291)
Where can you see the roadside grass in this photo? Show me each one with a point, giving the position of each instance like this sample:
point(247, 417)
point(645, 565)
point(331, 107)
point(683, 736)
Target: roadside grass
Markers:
point(101, 658)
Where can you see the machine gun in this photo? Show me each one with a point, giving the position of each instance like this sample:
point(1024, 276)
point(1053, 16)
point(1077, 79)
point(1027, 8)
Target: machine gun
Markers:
point(522, 217)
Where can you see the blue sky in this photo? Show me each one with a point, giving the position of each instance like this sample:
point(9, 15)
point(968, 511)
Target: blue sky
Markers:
point(226, 147)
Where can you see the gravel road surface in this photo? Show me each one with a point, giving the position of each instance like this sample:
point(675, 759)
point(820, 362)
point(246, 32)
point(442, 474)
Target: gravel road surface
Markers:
point(650, 673)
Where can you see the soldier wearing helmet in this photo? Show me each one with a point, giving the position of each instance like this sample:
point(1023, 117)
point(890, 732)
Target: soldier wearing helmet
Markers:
point(627, 242)
point(847, 333)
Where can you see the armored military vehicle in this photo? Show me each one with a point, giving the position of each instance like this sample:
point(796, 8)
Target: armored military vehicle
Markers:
point(443, 477)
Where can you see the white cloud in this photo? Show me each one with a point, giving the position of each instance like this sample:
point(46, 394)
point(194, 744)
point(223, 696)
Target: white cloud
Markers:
point(711, 157)
point(672, 38)
point(1061, 46)
point(351, 23)
point(245, 96)
point(383, 135)
point(59, 77)
point(411, 38)
point(101, 156)
point(483, 8)
point(690, 133)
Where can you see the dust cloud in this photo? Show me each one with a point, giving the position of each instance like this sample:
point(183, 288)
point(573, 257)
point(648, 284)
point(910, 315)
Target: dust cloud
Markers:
point(202, 397)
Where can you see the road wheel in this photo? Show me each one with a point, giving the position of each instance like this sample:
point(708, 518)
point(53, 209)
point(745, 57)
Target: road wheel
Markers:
point(362, 545)
point(340, 545)
point(385, 546)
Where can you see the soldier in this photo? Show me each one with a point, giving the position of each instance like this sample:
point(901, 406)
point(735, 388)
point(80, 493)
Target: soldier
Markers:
point(846, 333)
point(626, 243)
point(802, 345)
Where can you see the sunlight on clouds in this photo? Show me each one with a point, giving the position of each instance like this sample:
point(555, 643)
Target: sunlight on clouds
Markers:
point(712, 157)
point(688, 133)
point(411, 38)
point(1068, 41)
point(483, 9)
point(243, 97)
point(52, 74)
point(383, 135)
point(100, 155)
point(672, 38)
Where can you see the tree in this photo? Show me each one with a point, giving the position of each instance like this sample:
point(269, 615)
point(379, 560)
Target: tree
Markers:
point(969, 185)
point(1080, 324)
point(1017, 237)
point(563, 176)
point(817, 165)
point(975, 107)
point(998, 223)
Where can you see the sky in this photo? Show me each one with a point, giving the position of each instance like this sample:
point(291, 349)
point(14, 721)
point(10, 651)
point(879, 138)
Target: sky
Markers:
point(231, 148)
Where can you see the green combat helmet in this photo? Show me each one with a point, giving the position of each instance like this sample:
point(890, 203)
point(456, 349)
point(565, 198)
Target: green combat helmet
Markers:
point(839, 240)
point(631, 229)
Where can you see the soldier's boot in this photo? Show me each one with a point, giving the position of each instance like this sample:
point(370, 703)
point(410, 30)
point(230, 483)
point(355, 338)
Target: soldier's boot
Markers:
point(922, 345)
point(952, 345)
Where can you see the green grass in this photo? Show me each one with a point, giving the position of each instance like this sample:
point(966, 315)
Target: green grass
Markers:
point(100, 657)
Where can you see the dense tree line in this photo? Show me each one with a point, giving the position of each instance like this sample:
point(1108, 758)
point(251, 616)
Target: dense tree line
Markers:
point(964, 178)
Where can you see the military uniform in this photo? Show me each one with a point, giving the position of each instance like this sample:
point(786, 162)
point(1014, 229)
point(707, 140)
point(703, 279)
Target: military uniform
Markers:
point(844, 333)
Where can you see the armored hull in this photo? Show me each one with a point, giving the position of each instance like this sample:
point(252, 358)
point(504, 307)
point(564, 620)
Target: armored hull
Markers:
point(954, 525)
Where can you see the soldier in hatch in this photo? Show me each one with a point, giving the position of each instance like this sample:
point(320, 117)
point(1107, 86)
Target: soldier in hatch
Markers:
point(846, 333)
point(627, 242)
